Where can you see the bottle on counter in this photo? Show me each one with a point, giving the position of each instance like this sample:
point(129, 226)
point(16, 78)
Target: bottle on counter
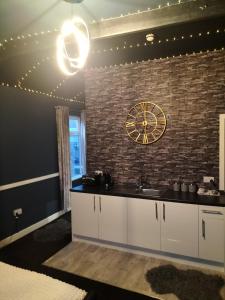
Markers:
point(176, 186)
point(184, 187)
point(192, 187)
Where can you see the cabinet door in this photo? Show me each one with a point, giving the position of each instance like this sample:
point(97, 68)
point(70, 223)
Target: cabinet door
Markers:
point(211, 233)
point(143, 223)
point(84, 214)
point(113, 218)
point(179, 228)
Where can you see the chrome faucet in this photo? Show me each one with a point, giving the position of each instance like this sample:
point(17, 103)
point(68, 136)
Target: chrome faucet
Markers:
point(140, 183)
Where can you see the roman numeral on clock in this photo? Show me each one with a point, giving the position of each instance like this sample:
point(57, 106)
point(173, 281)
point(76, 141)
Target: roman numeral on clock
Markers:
point(137, 137)
point(144, 106)
point(145, 139)
point(135, 130)
point(132, 116)
point(130, 124)
point(161, 122)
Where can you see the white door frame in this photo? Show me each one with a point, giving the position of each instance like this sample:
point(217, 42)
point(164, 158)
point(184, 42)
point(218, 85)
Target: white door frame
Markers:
point(222, 153)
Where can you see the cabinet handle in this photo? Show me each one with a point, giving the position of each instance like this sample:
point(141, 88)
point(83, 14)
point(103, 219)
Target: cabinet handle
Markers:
point(100, 203)
point(212, 212)
point(203, 229)
point(94, 202)
point(164, 212)
point(156, 210)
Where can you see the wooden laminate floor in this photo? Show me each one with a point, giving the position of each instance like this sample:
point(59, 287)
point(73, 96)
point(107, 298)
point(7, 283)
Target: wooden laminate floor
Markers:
point(118, 268)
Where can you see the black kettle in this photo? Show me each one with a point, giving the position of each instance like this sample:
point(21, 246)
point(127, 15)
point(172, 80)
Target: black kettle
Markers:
point(107, 178)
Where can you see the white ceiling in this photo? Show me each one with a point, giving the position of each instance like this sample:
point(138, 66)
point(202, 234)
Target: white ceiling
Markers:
point(19, 17)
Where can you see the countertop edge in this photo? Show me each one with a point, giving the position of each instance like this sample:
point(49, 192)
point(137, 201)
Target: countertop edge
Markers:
point(169, 196)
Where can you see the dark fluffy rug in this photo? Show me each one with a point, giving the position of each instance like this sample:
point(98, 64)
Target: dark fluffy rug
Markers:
point(53, 232)
point(185, 284)
point(33, 249)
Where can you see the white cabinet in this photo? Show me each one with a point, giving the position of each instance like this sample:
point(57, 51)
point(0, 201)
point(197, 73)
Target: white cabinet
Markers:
point(113, 218)
point(99, 216)
point(84, 214)
point(166, 226)
point(211, 233)
point(143, 223)
point(179, 228)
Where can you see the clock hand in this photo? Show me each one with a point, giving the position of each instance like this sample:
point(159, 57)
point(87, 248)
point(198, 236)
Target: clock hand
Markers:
point(145, 116)
point(147, 123)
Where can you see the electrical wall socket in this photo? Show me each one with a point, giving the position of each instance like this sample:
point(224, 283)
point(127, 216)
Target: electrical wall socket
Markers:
point(17, 212)
point(207, 179)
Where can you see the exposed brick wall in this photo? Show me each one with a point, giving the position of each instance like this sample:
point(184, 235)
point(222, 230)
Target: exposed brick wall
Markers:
point(190, 90)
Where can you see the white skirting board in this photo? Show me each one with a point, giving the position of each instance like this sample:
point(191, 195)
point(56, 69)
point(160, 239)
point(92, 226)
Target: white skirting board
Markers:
point(31, 228)
point(152, 253)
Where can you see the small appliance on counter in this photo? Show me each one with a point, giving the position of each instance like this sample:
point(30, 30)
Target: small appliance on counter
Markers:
point(103, 178)
point(209, 190)
point(87, 180)
point(205, 192)
point(108, 180)
point(98, 175)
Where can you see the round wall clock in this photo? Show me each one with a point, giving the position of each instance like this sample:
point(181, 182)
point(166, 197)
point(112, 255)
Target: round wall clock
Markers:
point(146, 123)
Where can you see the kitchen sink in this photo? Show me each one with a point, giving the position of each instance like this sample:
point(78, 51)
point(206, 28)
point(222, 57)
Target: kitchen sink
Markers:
point(150, 192)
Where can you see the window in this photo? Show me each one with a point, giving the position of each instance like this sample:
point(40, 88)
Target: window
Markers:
point(77, 151)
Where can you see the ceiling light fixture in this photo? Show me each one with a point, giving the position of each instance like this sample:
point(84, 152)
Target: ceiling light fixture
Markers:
point(150, 37)
point(74, 1)
point(73, 35)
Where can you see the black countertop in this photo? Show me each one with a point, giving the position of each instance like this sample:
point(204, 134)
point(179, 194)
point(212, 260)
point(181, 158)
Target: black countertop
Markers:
point(166, 195)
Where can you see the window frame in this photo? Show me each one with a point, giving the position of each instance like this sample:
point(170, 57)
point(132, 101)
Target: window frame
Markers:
point(76, 117)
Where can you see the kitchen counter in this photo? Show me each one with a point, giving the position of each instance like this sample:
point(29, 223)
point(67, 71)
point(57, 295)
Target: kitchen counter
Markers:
point(167, 195)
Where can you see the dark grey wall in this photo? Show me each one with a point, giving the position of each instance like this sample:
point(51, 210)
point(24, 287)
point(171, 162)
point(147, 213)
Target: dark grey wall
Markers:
point(191, 91)
point(28, 149)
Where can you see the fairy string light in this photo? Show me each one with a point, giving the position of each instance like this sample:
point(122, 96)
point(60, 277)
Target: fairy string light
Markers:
point(29, 73)
point(149, 9)
point(153, 59)
point(33, 68)
point(26, 75)
point(118, 48)
point(102, 19)
point(36, 92)
point(159, 41)
point(32, 91)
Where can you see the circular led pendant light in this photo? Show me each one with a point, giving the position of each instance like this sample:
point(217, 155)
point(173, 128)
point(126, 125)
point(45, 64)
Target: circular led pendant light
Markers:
point(73, 35)
point(74, 1)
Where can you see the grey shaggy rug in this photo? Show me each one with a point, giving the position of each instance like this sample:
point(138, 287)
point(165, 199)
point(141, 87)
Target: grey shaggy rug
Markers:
point(185, 284)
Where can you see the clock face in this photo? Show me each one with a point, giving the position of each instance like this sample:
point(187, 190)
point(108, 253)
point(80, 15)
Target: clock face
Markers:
point(146, 123)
